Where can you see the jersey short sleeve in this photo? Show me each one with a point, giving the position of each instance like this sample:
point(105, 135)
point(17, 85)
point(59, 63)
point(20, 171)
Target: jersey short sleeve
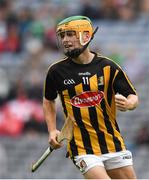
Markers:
point(122, 84)
point(50, 90)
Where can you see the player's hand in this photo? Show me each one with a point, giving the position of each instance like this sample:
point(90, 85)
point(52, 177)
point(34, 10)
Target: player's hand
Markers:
point(53, 139)
point(122, 102)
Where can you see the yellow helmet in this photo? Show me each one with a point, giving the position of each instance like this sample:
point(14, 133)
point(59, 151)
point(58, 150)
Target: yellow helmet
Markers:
point(79, 24)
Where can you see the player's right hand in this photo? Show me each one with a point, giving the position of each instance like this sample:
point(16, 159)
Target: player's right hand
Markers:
point(121, 102)
point(53, 139)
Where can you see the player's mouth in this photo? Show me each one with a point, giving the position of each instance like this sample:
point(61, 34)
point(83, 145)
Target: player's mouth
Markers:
point(68, 47)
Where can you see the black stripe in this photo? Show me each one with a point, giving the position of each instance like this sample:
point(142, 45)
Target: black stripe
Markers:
point(73, 147)
point(86, 87)
point(110, 130)
point(100, 134)
point(109, 90)
point(117, 128)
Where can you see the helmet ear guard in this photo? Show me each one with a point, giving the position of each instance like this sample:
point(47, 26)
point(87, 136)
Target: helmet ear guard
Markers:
point(81, 41)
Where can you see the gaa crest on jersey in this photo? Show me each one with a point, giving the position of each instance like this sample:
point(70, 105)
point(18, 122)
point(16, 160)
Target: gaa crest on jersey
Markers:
point(87, 99)
point(100, 81)
point(69, 81)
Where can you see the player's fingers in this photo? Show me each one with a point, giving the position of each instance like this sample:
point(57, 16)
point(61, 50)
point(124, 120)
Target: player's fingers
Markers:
point(54, 144)
point(120, 103)
point(121, 108)
point(119, 97)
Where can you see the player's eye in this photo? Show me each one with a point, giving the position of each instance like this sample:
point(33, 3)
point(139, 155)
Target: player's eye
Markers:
point(71, 33)
point(67, 33)
point(62, 35)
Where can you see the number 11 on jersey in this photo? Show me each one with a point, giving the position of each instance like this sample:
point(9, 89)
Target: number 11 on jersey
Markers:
point(85, 80)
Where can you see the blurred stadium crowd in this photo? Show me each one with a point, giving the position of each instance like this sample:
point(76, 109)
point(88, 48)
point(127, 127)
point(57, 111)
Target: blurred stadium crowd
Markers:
point(28, 46)
point(21, 22)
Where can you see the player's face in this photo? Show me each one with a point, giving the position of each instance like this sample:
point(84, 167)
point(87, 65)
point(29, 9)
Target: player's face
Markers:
point(68, 40)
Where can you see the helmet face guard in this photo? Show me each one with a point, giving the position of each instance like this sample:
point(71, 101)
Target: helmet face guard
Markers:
point(79, 25)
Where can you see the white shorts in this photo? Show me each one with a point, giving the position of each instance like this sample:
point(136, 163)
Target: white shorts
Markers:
point(109, 160)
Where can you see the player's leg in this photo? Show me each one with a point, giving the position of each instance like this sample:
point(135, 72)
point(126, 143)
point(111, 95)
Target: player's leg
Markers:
point(126, 172)
point(97, 172)
point(91, 167)
point(120, 165)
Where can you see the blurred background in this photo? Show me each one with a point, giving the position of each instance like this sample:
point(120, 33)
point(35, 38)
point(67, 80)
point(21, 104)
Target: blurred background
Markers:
point(28, 47)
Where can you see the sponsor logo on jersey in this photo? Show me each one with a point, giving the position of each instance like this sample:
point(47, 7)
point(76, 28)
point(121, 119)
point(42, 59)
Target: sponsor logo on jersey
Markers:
point(87, 99)
point(69, 81)
point(84, 73)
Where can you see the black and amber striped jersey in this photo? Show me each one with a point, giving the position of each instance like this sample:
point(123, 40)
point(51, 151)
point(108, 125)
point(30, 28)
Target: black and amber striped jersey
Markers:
point(87, 92)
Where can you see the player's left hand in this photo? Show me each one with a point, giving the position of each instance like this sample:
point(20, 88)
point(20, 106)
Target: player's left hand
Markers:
point(121, 102)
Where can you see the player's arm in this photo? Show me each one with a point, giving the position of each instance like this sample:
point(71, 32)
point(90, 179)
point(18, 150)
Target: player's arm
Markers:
point(126, 97)
point(124, 104)
point(49, 108)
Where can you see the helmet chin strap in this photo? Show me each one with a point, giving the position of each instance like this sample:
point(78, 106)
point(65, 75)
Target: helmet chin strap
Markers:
point(76, 52)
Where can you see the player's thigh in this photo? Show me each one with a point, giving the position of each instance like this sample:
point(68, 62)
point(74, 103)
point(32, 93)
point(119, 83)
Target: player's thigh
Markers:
point(120, 166)
point(126, 172)
point(91, 166)
point(97, 172)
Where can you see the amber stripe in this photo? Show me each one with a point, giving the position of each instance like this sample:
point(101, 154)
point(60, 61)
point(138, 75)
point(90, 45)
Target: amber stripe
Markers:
point(116, 144)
